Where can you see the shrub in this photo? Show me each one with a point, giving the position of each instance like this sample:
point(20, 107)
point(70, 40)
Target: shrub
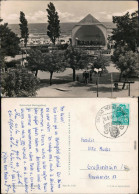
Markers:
point(19, 83)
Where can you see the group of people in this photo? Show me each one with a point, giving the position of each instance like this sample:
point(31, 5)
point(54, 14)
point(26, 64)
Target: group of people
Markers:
point(92, 43)
point(87, 75)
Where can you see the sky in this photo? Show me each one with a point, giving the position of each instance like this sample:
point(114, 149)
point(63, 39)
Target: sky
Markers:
point(68, 11)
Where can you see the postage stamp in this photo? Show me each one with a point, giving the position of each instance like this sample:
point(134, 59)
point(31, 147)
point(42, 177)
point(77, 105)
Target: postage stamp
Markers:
point(120, 114)
point(112, 120)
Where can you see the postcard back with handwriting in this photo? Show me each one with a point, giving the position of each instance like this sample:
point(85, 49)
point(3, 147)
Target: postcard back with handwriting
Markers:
point(72, 146)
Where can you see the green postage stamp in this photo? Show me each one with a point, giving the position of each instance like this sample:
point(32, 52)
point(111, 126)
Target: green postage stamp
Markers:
point(112, 120)
point(120, 114)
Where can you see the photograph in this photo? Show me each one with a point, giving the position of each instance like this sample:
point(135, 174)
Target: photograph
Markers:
point(69, 49)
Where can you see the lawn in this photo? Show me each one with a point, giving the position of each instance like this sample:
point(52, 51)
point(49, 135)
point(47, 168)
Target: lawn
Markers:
point(63, 86)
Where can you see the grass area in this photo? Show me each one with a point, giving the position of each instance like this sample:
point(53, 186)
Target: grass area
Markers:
point(63, 86)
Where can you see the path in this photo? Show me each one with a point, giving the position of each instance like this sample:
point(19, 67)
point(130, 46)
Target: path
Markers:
point(64, 87)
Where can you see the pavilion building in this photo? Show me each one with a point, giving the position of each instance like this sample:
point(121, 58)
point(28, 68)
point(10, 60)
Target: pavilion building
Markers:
point(89, 32)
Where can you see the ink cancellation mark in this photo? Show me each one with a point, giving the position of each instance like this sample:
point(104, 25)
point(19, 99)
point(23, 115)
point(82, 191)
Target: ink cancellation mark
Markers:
point(112, 120)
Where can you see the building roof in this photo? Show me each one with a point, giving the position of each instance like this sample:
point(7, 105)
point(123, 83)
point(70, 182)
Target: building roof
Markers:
point(89, 19)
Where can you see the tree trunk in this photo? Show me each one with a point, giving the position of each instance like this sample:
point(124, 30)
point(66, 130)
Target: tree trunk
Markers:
point(51, 74)
point(36, 73)
point(74, 75)
point(124, 83)
point(120, 76)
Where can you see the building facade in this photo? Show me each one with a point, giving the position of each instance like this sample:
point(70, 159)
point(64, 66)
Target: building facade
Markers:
point(89, 32)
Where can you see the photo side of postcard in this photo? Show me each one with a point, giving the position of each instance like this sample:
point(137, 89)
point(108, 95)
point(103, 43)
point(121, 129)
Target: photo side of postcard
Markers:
point(69, 48)
point(69, 146)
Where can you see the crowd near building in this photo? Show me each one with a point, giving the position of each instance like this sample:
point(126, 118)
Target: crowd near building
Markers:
point(89, 33)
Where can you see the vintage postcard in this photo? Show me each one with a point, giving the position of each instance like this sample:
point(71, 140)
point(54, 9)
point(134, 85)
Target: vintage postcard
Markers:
point(69, 146)
point(69, 48)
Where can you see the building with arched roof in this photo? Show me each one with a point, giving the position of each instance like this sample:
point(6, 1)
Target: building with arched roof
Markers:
point(89, 32)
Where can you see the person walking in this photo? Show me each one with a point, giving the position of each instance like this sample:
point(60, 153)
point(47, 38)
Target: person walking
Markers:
point(84, 73)
point(86, 77)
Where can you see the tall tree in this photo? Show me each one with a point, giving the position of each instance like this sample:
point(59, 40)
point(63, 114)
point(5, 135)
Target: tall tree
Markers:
point(54, 62)
point(9, 45)
point(24, 28)
point(127, 63)
point(119, 50)
point(126, 36)
point(35, 60)
point(53, 29)
point(126, 31)
point(76, 59)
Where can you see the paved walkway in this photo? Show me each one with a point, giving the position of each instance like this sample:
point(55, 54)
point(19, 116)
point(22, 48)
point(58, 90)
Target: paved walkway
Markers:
point(64, 87)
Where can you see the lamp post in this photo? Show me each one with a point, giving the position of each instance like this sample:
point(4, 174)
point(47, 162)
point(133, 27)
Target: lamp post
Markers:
point(97, 70)
point(97, 83)
point(111, 72)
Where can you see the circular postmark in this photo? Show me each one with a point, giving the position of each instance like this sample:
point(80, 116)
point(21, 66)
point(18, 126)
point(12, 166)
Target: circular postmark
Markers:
point(111, 121)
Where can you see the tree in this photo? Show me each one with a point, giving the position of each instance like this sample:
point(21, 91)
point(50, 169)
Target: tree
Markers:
point(9, 43)
point(76, 59)
point(126, 40)
point(127, 63)
point(35, 60)
point(53, 29)
point(19, 83)
point(24, 28)
point(126, 31)
point(101, 62)
point(53, 62)
point(119, 50)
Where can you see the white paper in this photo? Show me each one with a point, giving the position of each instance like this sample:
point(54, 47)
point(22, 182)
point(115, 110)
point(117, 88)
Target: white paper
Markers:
point(62, 146)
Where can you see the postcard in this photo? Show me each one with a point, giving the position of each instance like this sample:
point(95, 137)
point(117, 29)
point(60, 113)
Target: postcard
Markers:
point(77, 145)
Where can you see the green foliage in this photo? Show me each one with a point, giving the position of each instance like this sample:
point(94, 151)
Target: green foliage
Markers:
point(62, 46)
point(12, 64)
point(2, 61)
point(44, 49)
point(35, 60)
point(126, 41)
point(118, 51)
point(126, 31)
point(24, 28)
point(125, 60)
point(76, 59)
point(53, 62)
point(9, 42)
point(19, 83)
point(101, 62)
point(127, 63)
point(53, 29)
point(9, 45)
